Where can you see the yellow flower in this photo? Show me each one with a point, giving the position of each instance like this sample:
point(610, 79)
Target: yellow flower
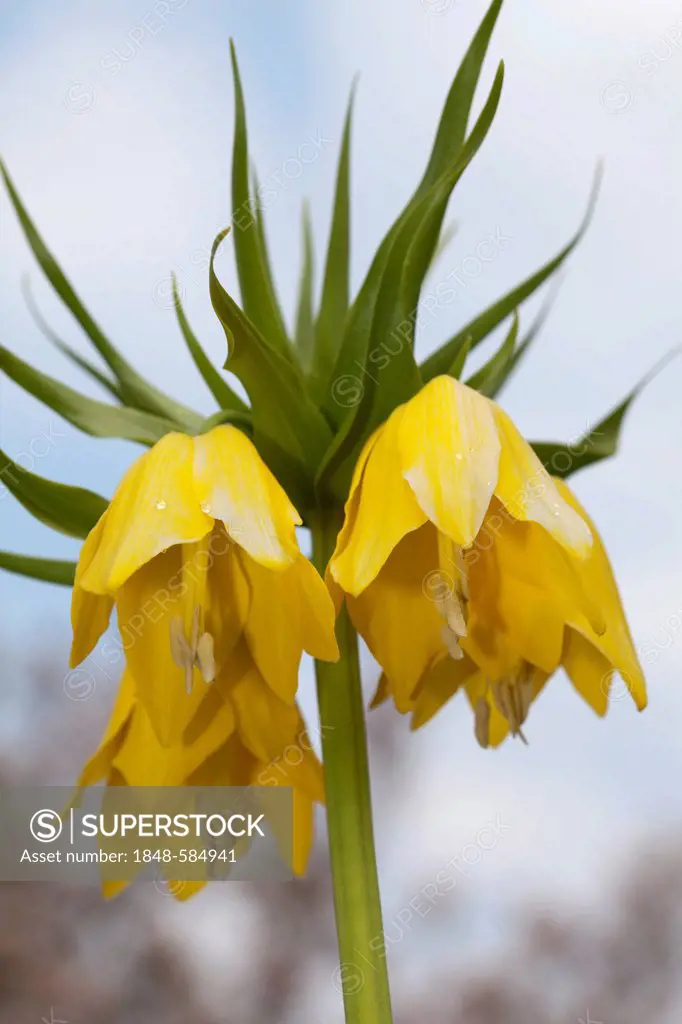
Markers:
point(198, 551)
point(233, 749)
point(465, 564)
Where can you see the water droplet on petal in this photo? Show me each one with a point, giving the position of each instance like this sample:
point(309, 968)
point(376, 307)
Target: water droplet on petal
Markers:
point(459, 456)
point(206, 507)
point(160, 505)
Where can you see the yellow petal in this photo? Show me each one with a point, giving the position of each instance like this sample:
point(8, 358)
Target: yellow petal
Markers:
point(112, 889)
point(228, 597)
point(304, 831)
point(317, 616)
point(100, 763)
point(352, 505)
point(615, 643)
point(536, 631)
point(385, 512)
point(437, 686)
point(589, 671)
point(449, 454)
point(289, 612)
point(230, 765)
point(528, 554)
point(233, 482)
point(527, 490)
point(297, 765)
point(144, 762)
point(477, 688)
point(382, 692)
point(397, 619)
point(296, 843)
point(147, 605)
point(265, 723)
point(90, 613)
point(154, 508)
point(489, 642)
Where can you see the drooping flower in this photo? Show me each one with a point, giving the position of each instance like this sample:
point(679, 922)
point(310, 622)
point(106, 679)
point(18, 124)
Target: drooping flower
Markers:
point(198, 552)
point(236, 746)
point(555, 611)
point(464, 564)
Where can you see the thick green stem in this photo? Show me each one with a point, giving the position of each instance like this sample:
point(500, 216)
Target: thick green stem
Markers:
point(361, 975)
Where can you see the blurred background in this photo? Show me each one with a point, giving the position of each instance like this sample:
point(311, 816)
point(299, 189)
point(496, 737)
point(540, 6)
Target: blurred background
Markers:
point(116, 126)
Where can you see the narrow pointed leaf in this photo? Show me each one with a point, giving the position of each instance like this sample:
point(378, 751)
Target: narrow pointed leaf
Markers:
point(305, 321)
point(390, 374)
point(49, 570)
point(89, 368)
point(449, 140)
point(601, 442)
point(529, 337)
point(92, 417)
point(219, 388)
point(482, 325)
point(70, 510)
point(446, 236)
point(460, 359)
point(487, 379)
point(255, 283)
point(336, 282)
point(137, 391)
point(454, 120)
point(284, 417)
point(237, 419)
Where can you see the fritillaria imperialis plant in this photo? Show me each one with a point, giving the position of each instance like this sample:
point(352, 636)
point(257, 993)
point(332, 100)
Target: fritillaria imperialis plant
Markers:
point(444, 539)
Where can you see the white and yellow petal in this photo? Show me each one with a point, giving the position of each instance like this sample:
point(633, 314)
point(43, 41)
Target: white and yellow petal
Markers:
point(154, 508)
point(234, 485)
point(384, 511)
point(528, 492)
point(449, 455)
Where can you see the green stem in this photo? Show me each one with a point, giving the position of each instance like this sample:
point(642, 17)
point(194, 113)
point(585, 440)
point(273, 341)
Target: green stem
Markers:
point(361, 975)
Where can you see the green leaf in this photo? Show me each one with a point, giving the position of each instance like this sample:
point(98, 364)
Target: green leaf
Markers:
point(395, 312)
point(50, 570)
point(92, 417)
point(285, 419)
point(219, 388)
point(237, 419)
point(62, 346)
point(447, 234)
point(482, 325)
point(255, 283)
point(336, 284)
point(71, 510)
point(601, 442)
point(487, 380)
point(454, 120)
point(136, 391)
point(305, 321)
point(528, 339)
point(460, 359)
point(449, 140)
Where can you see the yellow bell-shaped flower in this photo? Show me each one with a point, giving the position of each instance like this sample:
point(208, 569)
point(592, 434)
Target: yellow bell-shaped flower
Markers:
point(551, 610)
point(465, 564)
point(198, 551)
point(424, 484)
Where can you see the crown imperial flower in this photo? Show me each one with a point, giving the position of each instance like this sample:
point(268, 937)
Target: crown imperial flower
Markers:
point(198, 551)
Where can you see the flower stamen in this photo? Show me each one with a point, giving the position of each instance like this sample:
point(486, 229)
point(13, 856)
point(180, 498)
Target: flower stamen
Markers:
point(191, 645)
point(452, 602)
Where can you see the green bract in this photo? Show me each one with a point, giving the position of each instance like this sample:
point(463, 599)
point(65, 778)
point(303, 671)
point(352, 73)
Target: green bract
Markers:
point(315, 392)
